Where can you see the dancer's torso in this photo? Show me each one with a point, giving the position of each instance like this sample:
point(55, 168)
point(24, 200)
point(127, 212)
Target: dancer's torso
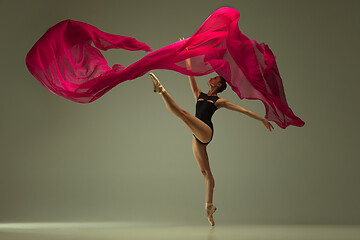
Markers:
point(205, 108)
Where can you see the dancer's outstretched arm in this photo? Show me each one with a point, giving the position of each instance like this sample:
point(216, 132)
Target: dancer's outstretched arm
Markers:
point(222, 102)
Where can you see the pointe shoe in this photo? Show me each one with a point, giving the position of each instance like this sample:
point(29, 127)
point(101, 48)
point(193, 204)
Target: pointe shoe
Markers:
point(158, 88)
point(209, 212)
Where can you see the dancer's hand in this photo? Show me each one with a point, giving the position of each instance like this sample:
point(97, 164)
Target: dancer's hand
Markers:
point(188, 60)
point(181, 40)
point(267, 124)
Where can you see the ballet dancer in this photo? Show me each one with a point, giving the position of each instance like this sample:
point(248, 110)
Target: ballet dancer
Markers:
point(201, 126)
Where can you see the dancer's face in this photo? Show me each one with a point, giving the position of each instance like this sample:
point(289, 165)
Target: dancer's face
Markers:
point(214, 82)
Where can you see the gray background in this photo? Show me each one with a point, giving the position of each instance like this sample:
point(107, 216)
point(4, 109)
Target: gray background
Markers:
point(124, 157)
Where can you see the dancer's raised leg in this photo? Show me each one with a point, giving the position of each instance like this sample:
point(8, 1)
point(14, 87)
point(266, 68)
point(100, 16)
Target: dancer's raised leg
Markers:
point(202, 131)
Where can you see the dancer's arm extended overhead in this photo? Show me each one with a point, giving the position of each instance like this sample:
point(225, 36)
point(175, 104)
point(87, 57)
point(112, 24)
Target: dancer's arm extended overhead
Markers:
point(224, 103)
point(196, 90)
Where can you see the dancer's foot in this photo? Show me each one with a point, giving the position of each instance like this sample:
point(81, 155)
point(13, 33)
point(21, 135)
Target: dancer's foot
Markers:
point(158, 88)
point(210, 209)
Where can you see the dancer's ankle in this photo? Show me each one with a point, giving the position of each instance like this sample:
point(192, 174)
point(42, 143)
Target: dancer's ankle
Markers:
point(162, 90)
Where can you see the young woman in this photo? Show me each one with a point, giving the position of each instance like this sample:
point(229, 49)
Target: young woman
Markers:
point(201, 126)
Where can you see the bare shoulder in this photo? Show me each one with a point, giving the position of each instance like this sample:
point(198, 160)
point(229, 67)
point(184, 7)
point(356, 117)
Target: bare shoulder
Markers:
point(220, 103)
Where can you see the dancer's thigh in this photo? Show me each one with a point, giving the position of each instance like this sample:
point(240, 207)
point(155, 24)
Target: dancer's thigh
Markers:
point(200, 129)
point(201, 156)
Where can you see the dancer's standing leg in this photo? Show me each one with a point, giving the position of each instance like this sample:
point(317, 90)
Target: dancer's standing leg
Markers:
point(202, 160)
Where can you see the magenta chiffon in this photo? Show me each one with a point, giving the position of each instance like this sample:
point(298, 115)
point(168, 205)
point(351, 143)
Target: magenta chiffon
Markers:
point(66, 63)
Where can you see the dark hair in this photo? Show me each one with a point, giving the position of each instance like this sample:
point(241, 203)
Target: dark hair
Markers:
point(223, 85)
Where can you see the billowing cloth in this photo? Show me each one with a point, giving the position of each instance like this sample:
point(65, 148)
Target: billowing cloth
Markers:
point(66, 63)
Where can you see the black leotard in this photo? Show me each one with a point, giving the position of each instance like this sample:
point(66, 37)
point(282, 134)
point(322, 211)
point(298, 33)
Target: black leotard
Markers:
point(205, 108)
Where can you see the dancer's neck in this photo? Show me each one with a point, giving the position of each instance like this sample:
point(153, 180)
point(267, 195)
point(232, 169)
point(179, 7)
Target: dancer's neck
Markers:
point(212, 92)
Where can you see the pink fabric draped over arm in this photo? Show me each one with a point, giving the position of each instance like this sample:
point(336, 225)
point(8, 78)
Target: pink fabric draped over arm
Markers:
point(66, 63)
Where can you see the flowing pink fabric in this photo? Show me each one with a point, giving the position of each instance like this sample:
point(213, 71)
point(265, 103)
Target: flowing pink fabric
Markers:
point(66, 63)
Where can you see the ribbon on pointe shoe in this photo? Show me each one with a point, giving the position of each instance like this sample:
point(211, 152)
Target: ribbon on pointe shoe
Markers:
point(210, 209)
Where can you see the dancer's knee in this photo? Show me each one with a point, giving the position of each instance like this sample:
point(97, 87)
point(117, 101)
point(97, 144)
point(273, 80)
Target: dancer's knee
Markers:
point(177, 111)
point(208, 178)
point(204, 173)
point(207, 174)
point(184, 115)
